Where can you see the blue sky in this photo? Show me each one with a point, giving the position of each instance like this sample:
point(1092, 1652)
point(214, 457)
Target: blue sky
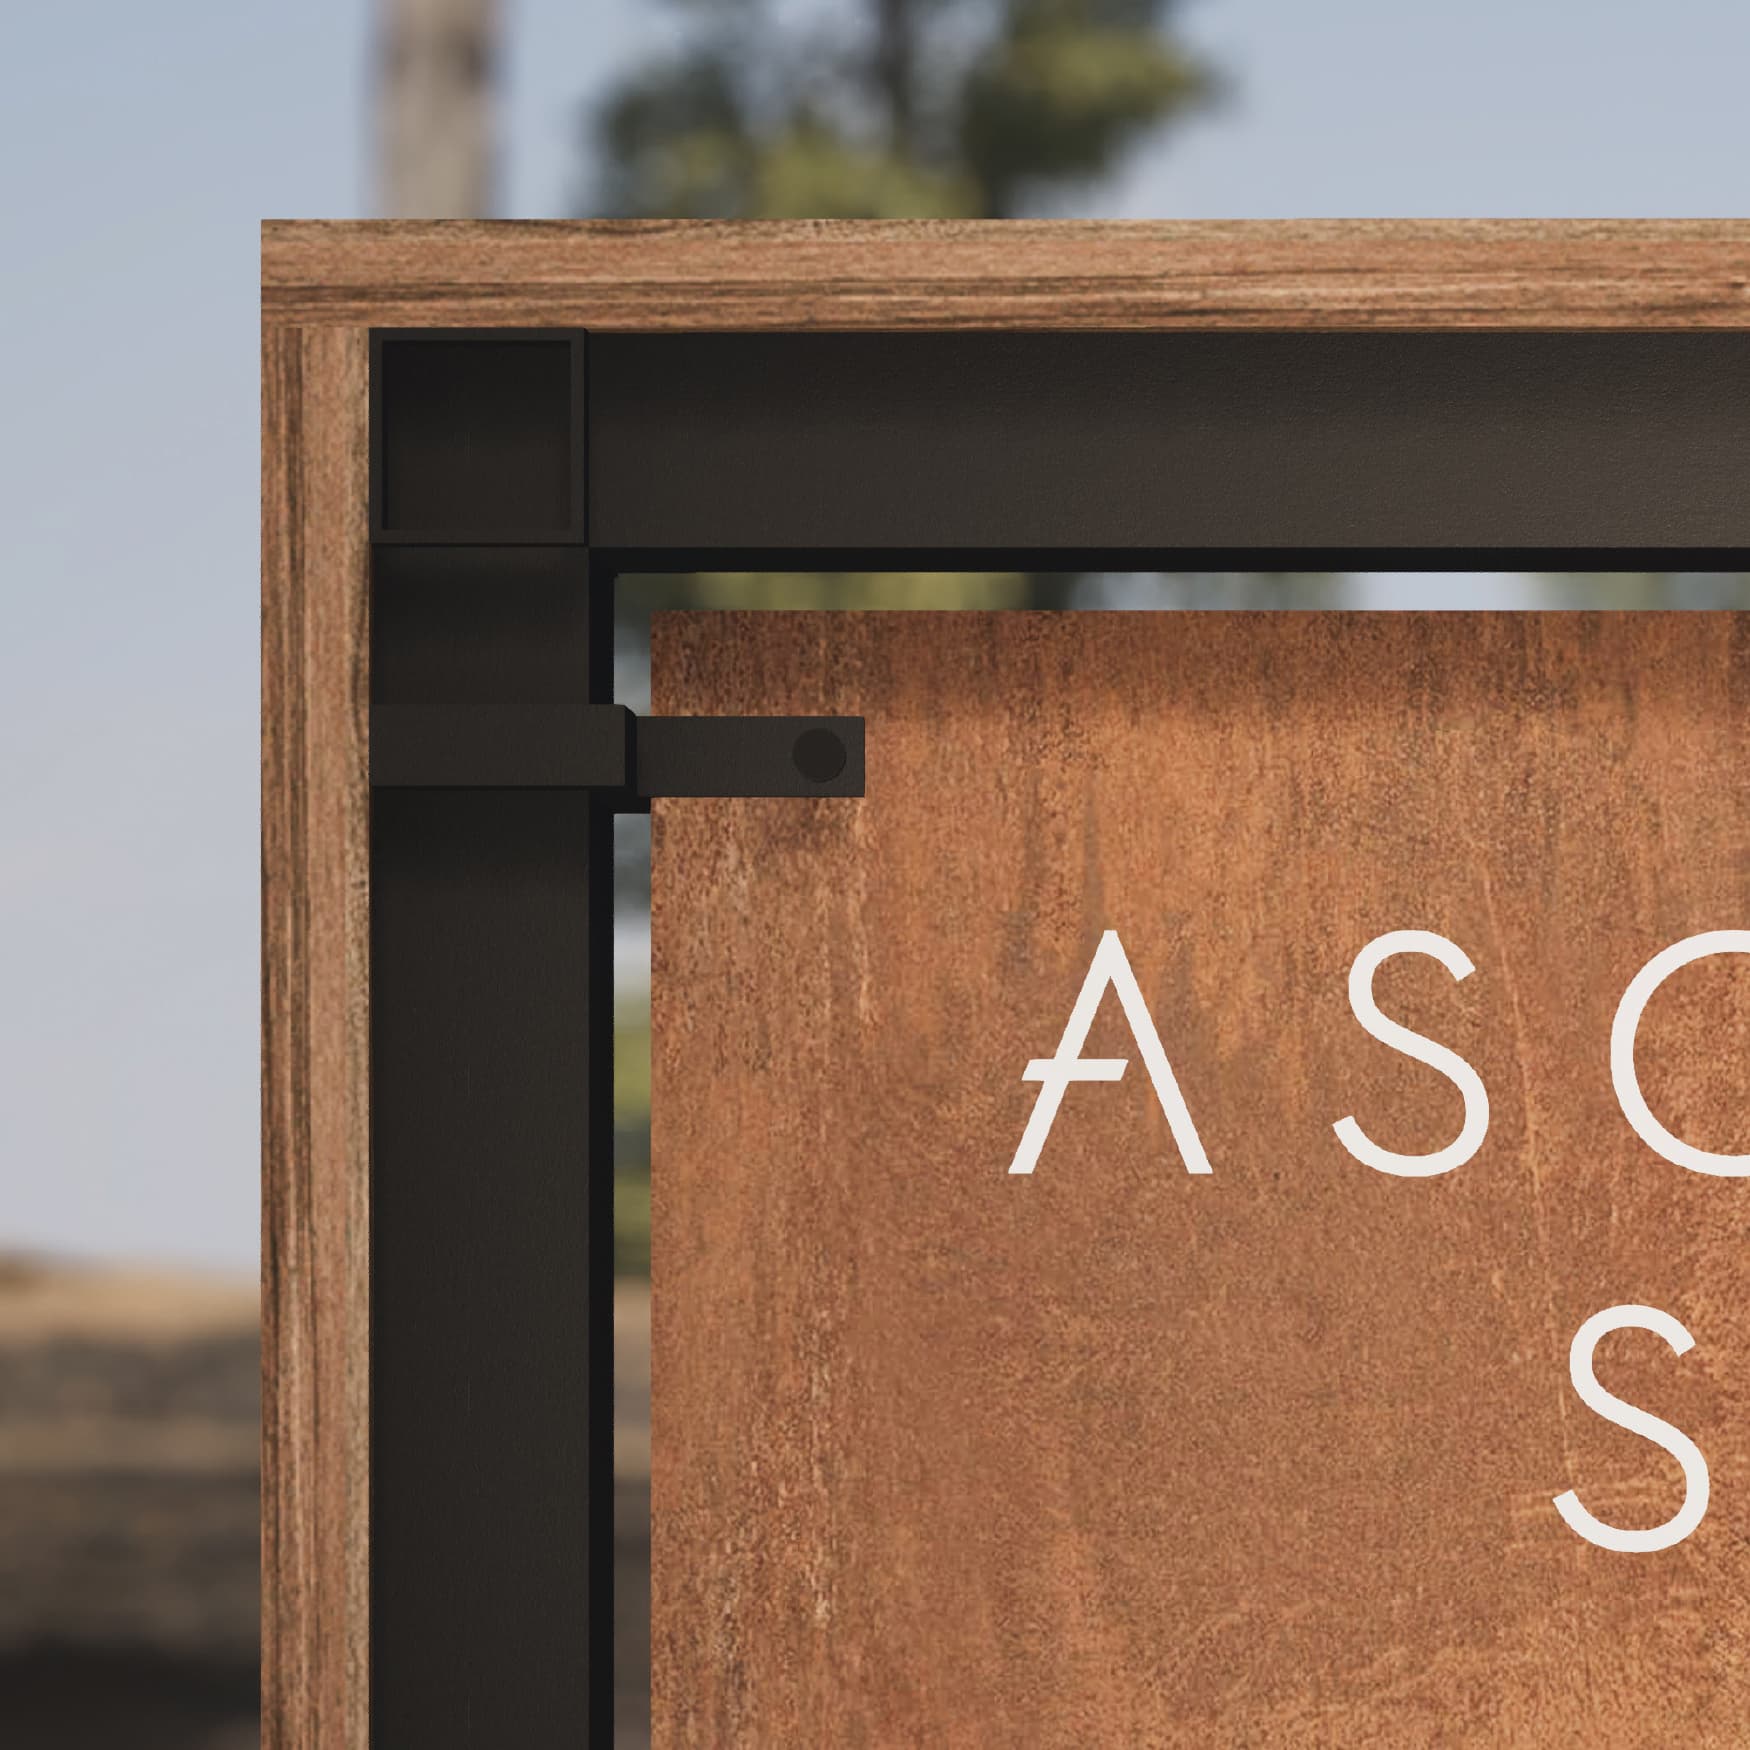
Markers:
point(141, 146)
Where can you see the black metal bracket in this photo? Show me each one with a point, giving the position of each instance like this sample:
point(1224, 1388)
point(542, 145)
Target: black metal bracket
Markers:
point(608, 749)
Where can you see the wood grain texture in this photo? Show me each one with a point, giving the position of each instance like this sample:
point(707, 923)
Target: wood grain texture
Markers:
point(315, 1131)
point(1114, 1454)
point(651, 276)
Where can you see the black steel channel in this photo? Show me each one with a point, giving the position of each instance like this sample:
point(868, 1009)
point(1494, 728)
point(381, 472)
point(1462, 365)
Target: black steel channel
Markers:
point(741, 449)
point(491, 1072)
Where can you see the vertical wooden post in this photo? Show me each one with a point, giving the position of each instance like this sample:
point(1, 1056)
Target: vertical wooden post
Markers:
point(315, 1217)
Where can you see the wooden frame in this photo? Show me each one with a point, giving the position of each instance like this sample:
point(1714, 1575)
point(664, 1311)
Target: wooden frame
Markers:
point(315, 1306)
point(651, 277)
point(325, 286)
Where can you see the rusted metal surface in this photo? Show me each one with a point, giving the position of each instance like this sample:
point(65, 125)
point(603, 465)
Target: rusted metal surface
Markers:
point(1113, 1454)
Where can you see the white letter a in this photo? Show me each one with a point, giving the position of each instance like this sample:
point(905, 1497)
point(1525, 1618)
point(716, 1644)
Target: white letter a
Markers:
point(1110, 967)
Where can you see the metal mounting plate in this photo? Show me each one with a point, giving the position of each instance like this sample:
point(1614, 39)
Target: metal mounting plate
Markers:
point(564, 746)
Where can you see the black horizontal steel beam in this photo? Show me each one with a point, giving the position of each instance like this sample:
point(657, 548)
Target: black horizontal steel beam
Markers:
point(879, 445)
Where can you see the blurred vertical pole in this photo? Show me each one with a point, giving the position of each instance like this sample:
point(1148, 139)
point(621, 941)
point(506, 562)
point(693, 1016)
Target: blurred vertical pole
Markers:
point(437, 94)
point(896, 69)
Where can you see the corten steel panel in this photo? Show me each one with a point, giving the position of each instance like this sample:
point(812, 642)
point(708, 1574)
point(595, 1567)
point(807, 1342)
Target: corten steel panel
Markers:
point(1118, 1455)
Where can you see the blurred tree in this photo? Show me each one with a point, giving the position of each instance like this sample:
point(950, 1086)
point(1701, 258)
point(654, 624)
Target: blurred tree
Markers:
point(891, 108)
point(1648, 589)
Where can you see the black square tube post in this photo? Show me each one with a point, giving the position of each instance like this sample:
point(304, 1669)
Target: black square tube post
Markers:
point(491, 1066)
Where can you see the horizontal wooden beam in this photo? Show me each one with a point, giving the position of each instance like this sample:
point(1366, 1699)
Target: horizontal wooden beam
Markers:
point(654, 276)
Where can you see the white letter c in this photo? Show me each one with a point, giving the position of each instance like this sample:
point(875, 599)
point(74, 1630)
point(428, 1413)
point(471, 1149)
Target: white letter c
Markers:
point(1622, 1053)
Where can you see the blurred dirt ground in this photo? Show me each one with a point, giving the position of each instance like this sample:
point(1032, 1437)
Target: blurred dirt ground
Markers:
point(129, 1489)
point(129, 1486)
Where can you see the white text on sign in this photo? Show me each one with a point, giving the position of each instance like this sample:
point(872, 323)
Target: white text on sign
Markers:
point(1111, 969)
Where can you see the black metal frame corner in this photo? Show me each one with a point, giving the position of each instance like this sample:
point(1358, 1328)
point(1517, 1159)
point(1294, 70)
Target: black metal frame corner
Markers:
point(514, 474)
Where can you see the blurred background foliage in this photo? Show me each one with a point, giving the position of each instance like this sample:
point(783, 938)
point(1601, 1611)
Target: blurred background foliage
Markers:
point(890, 109)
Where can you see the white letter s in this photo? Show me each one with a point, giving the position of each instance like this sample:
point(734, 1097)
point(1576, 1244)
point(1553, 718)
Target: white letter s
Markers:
point(1449, 1063)
point(1649, 1427)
